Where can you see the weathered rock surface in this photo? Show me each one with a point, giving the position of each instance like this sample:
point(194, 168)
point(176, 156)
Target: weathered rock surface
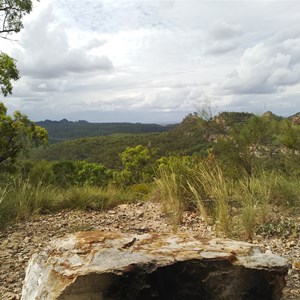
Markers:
point(113, 265)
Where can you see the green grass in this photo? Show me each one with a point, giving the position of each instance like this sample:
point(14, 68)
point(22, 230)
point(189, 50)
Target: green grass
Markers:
point(21, 199)
point(236, 207)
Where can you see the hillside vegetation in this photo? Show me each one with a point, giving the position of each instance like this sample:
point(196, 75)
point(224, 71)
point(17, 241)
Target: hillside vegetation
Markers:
point(185, 139)
point(65, 130)
point(240, 171)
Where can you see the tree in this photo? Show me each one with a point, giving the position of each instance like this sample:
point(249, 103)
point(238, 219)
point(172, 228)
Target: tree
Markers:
point(11, 14)
point(246, 143)
point(17, 135)
point(137, 165)
point(289, 135)
point(8, 72)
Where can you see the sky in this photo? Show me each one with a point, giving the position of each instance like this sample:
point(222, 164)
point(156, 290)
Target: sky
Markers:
point(155, 61)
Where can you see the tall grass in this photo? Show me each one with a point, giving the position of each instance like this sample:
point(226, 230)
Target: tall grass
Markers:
point(236, 207)
point(21, 199)
point(219, 192)
point(169, 194)
point(172, 180)
point(196, 186)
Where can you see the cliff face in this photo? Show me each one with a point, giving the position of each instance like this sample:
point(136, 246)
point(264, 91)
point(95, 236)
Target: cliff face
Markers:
point(231, 118)
point(295, 119)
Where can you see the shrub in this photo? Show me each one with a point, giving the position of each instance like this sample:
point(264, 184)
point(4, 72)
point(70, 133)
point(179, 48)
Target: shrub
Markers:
point(65, 173)
point(41, 173)
point(92, 174)
point(137, 166)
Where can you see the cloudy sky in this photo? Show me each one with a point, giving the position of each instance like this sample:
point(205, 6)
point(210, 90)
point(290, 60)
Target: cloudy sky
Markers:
point(156, 60)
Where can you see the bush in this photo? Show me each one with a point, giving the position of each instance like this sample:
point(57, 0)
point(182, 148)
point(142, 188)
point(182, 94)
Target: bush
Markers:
point(65, 173)
point(137, 166)
point(41, 173)
point(68, 173)
point(92, 174)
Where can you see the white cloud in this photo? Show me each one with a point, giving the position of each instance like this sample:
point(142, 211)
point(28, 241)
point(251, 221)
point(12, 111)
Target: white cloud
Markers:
point(45, 52)
point(265, 68)
point(123, 58)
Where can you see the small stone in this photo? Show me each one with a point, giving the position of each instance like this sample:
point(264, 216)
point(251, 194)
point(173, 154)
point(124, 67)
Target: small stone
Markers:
point(291, 244)
point(27, 239)
point(296, 265)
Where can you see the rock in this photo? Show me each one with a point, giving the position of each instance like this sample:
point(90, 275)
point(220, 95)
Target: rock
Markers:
point(291, 244)
point(111, 265)
point(296, 265)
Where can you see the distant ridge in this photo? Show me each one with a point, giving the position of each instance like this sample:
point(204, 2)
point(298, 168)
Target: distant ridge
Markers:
point(191, 136)
point(63, 130)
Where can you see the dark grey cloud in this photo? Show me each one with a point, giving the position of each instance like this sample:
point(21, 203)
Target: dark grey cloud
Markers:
point(222, 38)
point(221, 47)
point(224, 31)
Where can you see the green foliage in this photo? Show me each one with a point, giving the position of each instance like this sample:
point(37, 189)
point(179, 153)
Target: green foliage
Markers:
point(244, 144)
point(236, 207)
point(69, 173)
point(85, 198)
point(230, 119)
point(189, 183)
point(20, 199)
point(284, 227)
point(174, 177)
point(186, 139)
point(289, 135)
point(285, 191)
point(41, 173)
point(92, 174)
point(65, 173)
point(17, 135)
point(136, 166)
point(12, 12)
point(8, 72)
point(250, 167)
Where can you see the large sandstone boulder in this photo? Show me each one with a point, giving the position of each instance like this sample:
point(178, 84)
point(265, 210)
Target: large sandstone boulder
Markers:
point(106, 265)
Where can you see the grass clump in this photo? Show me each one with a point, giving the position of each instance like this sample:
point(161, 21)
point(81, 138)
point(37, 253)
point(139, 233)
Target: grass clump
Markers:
point(21, 199)
point(185, 183)
point(237, 207)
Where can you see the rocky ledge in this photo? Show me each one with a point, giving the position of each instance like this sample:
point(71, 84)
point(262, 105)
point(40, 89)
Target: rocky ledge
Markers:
point(115, 265)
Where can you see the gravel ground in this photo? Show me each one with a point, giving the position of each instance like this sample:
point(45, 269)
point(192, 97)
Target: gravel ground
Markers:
point(19, 242)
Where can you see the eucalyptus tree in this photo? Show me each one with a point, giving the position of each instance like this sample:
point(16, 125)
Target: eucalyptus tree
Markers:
point(17, 133)
point(11, 15)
